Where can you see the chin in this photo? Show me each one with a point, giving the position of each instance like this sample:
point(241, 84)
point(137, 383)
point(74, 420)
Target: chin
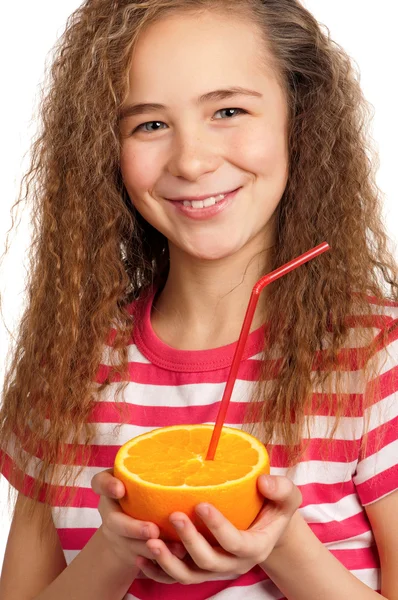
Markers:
point(216, 253)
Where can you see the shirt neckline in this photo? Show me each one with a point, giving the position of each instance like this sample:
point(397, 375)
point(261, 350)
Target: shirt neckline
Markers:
point(167, 357)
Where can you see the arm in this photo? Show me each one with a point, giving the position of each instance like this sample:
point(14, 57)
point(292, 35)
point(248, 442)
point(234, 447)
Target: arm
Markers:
point(304, 569)
point(42, 560)
point(383, 519)
point(94, 573)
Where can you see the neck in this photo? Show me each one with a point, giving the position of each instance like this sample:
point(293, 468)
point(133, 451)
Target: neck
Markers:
point(204, 302)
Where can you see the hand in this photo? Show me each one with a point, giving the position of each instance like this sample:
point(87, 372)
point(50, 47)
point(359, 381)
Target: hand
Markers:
point(239, 551)
point(126, 535)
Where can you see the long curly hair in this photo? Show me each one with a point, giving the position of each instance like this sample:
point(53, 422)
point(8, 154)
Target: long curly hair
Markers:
point(92, 254)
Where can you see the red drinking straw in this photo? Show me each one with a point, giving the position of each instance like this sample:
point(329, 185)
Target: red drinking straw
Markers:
point(259, 286)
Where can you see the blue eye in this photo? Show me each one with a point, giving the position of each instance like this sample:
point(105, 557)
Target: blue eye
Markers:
point(158, 124)
point(237, 111)
point(142, 127)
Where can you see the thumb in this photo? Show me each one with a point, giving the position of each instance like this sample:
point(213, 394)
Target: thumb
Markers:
point(104, 483)
point(280, 490)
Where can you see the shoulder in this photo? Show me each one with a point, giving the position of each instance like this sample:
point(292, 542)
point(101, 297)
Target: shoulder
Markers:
point(380, 374)
point(383, 348)
point(375, 313)
point(372, 333)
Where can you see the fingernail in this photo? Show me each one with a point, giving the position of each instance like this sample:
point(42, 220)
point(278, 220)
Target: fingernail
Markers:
point(178, 524)
point(203, 510)
point(155, 551)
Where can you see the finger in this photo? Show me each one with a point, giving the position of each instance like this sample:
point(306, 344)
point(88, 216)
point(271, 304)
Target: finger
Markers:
point(105, 484)
point(201, 552)
point(153, 571)
point(139, 548)
point(231, 539)
point(173, 566)
point(282, 491)
point(121, 524)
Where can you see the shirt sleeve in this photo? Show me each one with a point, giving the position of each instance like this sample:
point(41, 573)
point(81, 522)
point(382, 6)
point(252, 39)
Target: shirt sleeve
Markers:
point(377, 468)
point(23, 482)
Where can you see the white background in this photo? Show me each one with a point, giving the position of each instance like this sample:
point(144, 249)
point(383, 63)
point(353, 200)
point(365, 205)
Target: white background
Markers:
point(364, 29)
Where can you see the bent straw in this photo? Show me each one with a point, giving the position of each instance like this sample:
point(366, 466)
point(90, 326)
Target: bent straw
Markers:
point(259, 286)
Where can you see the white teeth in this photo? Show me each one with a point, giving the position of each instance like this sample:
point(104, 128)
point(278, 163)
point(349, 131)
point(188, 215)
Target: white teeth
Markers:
point(209, 202)
point(204, 203)
point(197, 204)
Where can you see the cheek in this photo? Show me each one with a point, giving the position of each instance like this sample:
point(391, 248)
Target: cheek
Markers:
point(139, 170)
point(263, 150)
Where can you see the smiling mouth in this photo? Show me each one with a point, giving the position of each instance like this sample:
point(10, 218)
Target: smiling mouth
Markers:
point(204, 202)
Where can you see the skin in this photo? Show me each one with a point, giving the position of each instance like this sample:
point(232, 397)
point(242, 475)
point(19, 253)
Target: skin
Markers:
point(190, 149)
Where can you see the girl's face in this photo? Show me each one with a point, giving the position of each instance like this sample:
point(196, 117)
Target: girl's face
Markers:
point(205, 117)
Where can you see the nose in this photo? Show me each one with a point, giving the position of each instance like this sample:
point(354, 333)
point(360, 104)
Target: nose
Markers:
point(193, 155)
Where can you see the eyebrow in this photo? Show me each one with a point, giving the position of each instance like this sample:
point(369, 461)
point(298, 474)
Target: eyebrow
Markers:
point(131, 110)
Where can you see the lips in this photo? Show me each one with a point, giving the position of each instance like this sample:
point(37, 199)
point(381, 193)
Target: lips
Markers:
point(204, 212)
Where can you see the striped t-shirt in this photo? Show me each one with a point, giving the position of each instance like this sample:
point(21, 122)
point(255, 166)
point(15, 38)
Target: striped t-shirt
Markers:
point(169, 387)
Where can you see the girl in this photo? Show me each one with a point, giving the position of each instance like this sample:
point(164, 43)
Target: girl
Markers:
point(188, 148)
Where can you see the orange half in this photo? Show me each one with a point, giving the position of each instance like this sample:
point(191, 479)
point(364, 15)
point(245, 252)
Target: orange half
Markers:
point(166, 470)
